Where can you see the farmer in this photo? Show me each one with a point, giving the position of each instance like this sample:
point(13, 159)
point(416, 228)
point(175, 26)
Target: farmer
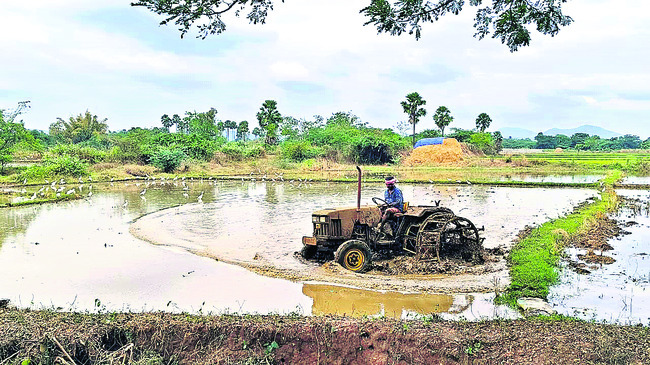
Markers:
point(394, 202)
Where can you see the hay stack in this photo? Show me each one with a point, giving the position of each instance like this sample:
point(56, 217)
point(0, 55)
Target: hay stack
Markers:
point(449, 151)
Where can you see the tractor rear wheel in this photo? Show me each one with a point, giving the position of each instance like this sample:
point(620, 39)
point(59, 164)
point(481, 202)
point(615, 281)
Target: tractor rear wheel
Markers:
point(354, 255)
point(459, 235)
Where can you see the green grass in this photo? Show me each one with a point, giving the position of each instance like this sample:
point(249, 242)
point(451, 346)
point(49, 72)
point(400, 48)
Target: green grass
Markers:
point(534, 260)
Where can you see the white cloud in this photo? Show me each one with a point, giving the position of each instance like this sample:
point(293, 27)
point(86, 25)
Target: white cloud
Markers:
point(316, 57)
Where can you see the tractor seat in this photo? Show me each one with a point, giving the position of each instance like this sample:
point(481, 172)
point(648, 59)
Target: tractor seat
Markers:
point(404, 209)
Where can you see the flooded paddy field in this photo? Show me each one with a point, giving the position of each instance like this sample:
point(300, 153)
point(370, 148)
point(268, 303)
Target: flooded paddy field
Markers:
point(618, 292)
point(80, 255)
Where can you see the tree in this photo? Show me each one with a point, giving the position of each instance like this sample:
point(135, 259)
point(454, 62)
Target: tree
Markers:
point(229, 125)
point(258, 132)
point(544, 142)
point(269, 119)
point(242, 130)
point(507, 19)
point(78, 129)
point(11, 132)
point(578, 139)
point(202, 124)
point(413, 108)
point(483, 122)
point(442, 118)
point(166, 121)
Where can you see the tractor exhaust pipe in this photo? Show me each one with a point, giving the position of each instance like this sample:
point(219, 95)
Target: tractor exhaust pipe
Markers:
point(359, 190)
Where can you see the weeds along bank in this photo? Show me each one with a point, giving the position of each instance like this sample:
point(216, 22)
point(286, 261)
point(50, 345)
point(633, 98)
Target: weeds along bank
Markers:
point(46, 337)
point(535, 257)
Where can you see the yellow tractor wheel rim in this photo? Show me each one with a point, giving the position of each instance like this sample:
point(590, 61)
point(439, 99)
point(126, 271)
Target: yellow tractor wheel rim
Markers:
point(354, 259)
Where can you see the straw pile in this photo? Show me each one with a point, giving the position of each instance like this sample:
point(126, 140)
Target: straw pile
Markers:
point(449, 151)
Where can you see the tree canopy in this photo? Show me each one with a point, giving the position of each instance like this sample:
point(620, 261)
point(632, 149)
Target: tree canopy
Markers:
point(269, 119)
point(483, 122)
point(78, 129)
point(11, 132)
point(413, 108)
point(507, 20)
point(442, 118)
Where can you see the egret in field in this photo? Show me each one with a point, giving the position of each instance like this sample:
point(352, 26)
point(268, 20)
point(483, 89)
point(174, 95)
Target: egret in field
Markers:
point(71, 191)
point(142, 192)
point(201, 198)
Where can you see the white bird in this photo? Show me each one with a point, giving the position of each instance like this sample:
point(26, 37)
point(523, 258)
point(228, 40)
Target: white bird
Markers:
point(90, 194)
point(81, 181)
point(201, 198)
point(71, 191)
point(62, 182)
point(186, 195)
point(143, 191)
point(25, 182)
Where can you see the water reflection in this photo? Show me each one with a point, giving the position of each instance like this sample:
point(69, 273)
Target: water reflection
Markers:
point(338, 300)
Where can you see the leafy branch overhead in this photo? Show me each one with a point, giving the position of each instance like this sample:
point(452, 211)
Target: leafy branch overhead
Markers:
point(207, 14)
point(507, 20)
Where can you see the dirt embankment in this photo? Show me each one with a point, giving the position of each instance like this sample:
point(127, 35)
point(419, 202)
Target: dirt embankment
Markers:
point(152, 338)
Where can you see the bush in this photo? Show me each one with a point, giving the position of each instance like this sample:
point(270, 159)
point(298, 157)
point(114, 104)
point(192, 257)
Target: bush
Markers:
point(88, 154)
point(67, 166)
point(233, 151)
point(254, 151)
point(484, 142)
point(298, 150)
point(52, 166)
point(168, 160)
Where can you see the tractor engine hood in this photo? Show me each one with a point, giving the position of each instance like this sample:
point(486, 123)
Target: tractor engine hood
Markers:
point(347, 217)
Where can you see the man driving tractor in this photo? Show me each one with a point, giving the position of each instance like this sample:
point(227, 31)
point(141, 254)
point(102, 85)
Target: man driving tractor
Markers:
point(394, 203)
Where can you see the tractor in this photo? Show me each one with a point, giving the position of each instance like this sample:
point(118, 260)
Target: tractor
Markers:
point(351, 235)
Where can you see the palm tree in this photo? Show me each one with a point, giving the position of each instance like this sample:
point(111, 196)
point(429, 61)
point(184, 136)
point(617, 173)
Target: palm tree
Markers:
point(269, 119)
point(442, 118)
point(412, 107)
point(483, 122)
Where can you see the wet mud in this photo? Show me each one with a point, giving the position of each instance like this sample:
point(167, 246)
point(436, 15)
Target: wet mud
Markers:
point(259, 226)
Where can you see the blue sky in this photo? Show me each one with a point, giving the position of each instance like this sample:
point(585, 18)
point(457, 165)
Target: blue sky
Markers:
point(316, 57)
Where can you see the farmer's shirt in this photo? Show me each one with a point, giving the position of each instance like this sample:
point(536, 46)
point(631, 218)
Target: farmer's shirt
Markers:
point(394, 198)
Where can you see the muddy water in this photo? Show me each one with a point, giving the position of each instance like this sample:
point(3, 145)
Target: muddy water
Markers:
point(263, 223)
point(80, 255)
point(618, 292)
point(564, 179)
point(636, 180)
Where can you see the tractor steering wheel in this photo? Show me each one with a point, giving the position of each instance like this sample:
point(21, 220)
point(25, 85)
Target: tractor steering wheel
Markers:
point(379, 202)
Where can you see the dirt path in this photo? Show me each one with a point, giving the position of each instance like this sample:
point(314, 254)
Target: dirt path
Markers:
point(153, 338)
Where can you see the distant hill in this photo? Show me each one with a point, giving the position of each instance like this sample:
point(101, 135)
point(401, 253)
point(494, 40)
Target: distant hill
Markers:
point(589, 129)
point(519, 133)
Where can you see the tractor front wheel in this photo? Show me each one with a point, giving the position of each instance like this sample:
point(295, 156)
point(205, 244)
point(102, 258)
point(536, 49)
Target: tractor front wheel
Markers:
point(308, 252)
point(354, 255)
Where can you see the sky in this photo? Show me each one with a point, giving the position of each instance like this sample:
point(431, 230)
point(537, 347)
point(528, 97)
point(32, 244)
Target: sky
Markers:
point(315, 57)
